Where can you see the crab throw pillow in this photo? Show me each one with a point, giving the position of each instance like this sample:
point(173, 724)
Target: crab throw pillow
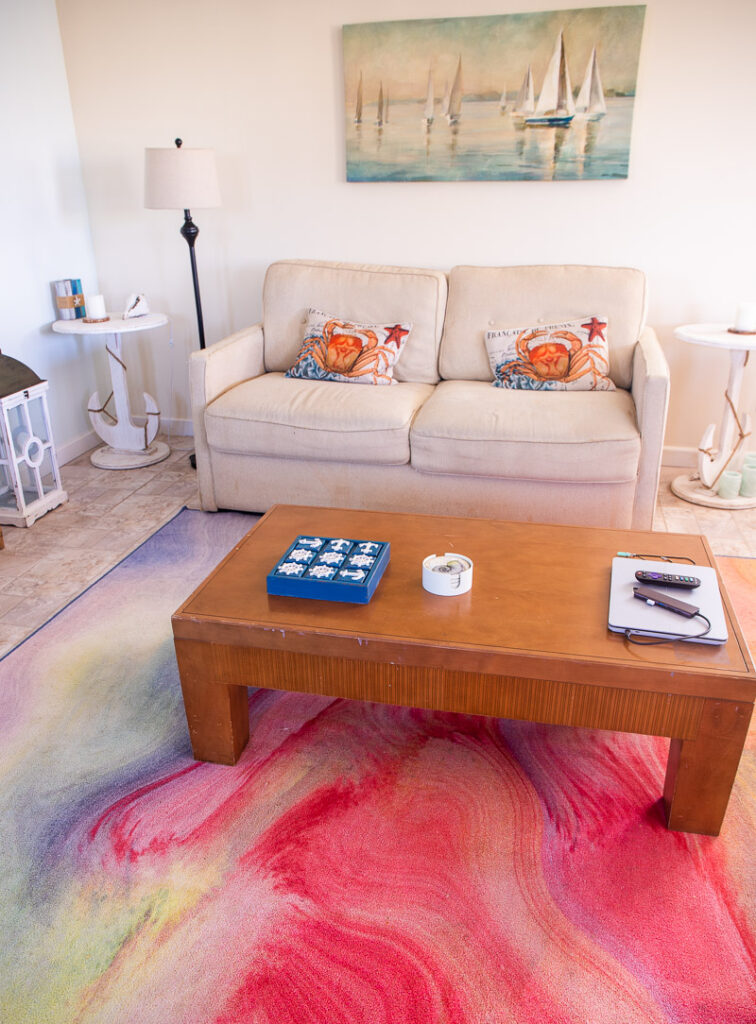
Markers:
point(336, 349)
point(568, 356)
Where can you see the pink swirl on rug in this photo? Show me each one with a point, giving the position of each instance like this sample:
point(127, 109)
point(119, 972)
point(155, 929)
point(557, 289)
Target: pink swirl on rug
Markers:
point(362, 863)
point(654, 899)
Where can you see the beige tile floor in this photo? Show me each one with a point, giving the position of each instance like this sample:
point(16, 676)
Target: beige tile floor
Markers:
point(107, 515)
point(729, 533)
point(110, 512)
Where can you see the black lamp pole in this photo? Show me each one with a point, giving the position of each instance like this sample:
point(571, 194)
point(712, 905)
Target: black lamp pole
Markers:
point(189, 230)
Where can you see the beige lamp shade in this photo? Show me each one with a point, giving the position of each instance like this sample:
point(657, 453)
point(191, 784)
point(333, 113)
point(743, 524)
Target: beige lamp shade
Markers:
point(180, 179)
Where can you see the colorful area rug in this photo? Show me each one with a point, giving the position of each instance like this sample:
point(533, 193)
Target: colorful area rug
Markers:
point(362, 864)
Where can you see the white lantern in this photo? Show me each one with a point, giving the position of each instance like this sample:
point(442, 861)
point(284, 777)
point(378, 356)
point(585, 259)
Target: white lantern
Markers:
point(29, 474)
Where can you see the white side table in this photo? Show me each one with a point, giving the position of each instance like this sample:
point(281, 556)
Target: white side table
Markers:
point(127, 445)
point(701, 489)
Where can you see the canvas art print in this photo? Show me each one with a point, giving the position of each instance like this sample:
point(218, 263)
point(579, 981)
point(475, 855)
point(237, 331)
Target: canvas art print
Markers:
point(539, 97)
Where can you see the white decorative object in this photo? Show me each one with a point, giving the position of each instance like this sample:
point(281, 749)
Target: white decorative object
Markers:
point(715, 459)
point(127, 444)
point(136, 305)
point(95, 306)
point(447, 575)
point(745, 318)
point(29, 474)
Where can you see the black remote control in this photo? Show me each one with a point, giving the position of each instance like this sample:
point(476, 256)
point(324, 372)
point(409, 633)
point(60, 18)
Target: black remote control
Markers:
point(667, 579)
point(665, 601)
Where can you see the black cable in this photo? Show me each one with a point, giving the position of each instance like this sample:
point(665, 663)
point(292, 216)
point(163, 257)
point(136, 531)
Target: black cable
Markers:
point(660, 558)
point(631, 634)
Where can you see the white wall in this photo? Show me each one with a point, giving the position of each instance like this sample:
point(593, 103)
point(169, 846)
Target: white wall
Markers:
point(262, 83)
point(45, 227)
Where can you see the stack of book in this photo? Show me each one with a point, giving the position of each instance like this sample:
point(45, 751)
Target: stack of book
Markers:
point(69, 299)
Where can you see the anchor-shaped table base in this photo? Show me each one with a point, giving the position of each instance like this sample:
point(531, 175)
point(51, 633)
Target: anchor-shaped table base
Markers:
point(127, 444)
point(734, 430)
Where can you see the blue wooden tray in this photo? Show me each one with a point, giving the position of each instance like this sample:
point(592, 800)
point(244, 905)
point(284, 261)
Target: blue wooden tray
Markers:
point(330, 569)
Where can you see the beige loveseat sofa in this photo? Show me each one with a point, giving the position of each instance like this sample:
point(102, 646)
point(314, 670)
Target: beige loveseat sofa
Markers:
point(442, 439)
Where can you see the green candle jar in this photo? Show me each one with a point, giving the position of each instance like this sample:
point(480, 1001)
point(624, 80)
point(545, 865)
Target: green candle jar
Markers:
point(748, 481)
point(729, 484)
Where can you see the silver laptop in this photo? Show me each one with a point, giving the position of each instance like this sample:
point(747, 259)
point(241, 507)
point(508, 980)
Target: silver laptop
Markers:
point(628, 612)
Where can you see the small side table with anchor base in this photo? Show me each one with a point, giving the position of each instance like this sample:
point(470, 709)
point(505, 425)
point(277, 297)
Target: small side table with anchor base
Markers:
point(127, 444)
point(713, 460)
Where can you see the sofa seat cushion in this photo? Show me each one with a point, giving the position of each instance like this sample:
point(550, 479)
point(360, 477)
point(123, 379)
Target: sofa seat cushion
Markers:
point(278, 416)
point(468, 427)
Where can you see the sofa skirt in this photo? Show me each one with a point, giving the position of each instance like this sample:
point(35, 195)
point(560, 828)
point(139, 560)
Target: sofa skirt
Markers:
point(252, 483)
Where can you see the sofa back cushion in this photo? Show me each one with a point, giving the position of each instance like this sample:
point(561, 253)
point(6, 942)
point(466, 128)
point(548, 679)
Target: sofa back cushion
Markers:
point(490, 298)
point(358, 292)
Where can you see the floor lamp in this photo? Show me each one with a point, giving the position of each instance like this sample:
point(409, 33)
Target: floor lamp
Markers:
point(182, 179)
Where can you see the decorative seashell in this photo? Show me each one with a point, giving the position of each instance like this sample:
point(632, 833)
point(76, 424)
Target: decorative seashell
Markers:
point(136, 306)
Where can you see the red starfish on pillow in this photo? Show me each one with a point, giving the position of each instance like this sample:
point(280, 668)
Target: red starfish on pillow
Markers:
point(595, 329)
point(395, 334)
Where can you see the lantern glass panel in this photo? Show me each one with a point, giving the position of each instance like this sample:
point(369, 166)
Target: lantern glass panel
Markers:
point(47, 473)
point(28, 444)
point(7, 494)
point(19, 429)
point(36, 410)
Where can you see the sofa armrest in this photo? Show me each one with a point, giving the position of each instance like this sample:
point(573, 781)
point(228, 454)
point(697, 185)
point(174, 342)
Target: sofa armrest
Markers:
point(211, 372)
point(650, 391)
point(235, 359)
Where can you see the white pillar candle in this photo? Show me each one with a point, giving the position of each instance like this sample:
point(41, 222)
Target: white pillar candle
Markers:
point(745, 318)
point(95, 306)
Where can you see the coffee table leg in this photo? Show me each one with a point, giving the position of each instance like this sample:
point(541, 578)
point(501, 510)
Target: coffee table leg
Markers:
point(217, 714)
point(701, 771)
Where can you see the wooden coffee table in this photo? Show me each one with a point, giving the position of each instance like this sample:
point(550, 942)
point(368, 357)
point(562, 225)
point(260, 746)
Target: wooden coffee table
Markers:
point(529, 641)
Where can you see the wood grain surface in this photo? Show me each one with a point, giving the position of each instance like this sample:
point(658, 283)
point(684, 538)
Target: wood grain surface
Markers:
point(530, 641)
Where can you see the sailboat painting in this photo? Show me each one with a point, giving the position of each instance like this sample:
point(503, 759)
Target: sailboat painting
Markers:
point(568, 117)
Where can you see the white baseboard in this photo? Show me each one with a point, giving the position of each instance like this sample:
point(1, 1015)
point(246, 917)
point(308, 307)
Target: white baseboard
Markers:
point(675, 455)
point(73, 449)
point(179, 428)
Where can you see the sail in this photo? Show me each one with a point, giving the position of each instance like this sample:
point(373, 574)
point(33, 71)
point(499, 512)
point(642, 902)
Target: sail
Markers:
point(455, 96)
point(428, 108)
point(556, 93)
point(386, 108)
point(591, 96)
point(379, 114)
point(525, 103)
point(503, 99)
point(445, 100)
point(358, 104)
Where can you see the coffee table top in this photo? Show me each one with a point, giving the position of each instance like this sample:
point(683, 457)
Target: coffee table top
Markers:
point(537, 608)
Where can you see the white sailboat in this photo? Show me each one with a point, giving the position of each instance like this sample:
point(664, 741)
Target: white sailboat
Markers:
point(358, 104)
point(386, 108)
point(555, 107)
point(379, 112)
point(503, 103)
point(455, 97)
point(429, 102)
point(590, 103)
point(525, 102)
point(445, 99)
